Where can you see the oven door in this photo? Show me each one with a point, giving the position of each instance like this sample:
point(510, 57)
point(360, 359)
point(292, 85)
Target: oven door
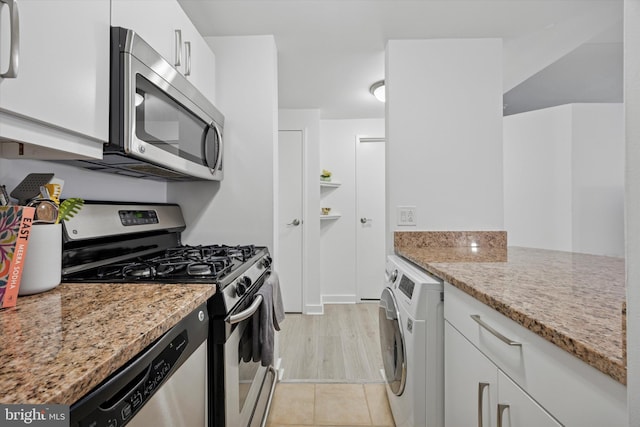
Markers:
point(249, 386)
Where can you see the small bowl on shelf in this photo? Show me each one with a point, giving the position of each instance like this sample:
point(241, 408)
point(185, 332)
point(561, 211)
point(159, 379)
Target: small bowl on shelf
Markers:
point(325, 211)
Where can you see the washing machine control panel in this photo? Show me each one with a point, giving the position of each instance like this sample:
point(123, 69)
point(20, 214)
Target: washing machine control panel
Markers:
point(406, 286)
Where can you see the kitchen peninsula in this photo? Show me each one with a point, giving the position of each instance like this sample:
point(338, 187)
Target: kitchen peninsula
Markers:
point(573, 301)
point(60, 344)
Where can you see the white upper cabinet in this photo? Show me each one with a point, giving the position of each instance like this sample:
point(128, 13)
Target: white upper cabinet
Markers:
point(167, 28)
point(59, 98)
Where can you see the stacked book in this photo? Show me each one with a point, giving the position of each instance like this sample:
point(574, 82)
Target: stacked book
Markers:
point(15, 229)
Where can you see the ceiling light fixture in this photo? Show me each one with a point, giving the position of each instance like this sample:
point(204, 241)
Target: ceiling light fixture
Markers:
point(377, 90)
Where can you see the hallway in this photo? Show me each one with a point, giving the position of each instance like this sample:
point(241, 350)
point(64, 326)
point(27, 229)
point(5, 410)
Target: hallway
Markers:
point(343, 345)
point(331, 370)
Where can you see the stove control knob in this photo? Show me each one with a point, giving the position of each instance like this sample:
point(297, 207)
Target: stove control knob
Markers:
point(242, 285)
point(266, 261)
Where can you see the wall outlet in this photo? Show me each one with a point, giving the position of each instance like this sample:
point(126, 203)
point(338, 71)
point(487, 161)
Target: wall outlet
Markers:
point(407, 215)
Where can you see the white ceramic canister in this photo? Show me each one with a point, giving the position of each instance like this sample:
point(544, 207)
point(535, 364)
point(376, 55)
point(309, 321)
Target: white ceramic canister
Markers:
point(43, 264)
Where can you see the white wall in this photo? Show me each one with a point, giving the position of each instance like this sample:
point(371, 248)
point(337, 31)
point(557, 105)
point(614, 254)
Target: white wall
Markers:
point(632, 200)
point(537, 178)
point(309, 122)
point(338, 237)
point(564, 179)
point(240, 209)
point(598, 179)
point(84, 183)
point(444, 133)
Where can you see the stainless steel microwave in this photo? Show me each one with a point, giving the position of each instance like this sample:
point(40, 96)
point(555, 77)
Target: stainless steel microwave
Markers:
point(160, 126)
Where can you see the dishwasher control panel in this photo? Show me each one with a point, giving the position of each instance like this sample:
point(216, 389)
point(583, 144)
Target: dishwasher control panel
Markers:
point(116, 411)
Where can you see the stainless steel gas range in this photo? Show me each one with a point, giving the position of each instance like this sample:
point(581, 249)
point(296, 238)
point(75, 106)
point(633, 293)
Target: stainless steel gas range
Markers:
point(136, 243)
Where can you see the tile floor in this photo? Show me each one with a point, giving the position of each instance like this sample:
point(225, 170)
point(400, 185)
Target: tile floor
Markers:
point(306, 404)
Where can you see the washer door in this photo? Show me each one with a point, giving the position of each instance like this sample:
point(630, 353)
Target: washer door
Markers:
point(392, 342)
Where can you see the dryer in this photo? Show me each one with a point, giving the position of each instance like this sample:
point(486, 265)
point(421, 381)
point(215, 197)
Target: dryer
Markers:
point(411, 326)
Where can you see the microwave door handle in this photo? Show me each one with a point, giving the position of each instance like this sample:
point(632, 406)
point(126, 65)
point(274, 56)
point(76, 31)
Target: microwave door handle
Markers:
point(217, 140)
point(14, 48)
point(220, 147)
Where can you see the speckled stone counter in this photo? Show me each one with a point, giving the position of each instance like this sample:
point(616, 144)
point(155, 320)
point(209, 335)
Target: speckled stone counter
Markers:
point(573, 300)
point(58, 345)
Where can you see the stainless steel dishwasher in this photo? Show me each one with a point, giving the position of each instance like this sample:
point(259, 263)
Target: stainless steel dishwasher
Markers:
point(164, 385)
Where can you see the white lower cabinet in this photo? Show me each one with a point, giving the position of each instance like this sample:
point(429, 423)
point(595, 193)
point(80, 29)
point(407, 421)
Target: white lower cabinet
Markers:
point(517, 409)
point(500, 374)
point(470, 383)
point(477, 393)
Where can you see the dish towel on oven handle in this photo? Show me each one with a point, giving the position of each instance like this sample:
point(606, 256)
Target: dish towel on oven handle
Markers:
point(268, 321)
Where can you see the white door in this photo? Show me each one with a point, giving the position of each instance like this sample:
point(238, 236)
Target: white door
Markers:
point(290, 148)
point(370, 217)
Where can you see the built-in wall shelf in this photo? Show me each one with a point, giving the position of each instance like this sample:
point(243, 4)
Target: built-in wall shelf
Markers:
point(329, 184)
point(331, 216)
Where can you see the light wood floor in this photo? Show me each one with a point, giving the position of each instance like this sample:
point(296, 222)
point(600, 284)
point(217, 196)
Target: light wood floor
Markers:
point(342, 345)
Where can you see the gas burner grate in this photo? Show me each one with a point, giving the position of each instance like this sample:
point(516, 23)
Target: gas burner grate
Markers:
point(179, 264)
point(204, 252)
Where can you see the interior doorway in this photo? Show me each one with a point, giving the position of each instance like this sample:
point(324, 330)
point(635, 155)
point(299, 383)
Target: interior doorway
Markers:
point(290, 226)
point(370, 217)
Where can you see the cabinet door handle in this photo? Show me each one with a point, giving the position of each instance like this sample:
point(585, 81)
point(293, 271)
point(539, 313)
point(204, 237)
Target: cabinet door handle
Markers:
point(501, 408)
point(497, 334)
point(14, 49)
point(187, 58)
point(178, 48)
point(481, 387)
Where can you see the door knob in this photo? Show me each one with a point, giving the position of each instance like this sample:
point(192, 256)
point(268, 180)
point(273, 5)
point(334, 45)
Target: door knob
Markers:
point(365, 220)
point(295, 222)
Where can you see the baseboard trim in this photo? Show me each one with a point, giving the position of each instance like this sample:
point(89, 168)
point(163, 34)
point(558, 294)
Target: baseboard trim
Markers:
point(313, 309)
point(338, 299)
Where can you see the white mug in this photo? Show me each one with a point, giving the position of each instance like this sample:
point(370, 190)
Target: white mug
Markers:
point(43, 263)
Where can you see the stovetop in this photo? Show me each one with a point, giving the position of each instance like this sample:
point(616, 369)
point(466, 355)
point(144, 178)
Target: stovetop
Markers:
point(214, 264)
point(134, 243)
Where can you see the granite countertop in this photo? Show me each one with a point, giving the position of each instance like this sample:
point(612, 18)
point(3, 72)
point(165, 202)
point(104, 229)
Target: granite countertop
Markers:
point(572, 300)
point(58, 345)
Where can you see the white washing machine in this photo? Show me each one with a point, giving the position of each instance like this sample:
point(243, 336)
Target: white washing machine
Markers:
point(411, 324)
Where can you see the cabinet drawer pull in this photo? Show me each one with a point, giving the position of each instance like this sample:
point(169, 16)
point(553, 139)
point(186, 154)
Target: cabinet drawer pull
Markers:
point(14, 49)
point(481, 387)
point(497, 334)
point(187, 58)
point(501, 408)
point(178, 48)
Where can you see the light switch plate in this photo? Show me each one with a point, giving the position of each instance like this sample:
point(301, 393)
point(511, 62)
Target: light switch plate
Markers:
point(407, 215)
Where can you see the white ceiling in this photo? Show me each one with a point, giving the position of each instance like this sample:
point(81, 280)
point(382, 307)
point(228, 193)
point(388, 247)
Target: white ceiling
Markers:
point(331, 51)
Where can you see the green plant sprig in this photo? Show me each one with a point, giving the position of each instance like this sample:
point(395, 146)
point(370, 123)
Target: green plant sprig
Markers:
point(69, 208)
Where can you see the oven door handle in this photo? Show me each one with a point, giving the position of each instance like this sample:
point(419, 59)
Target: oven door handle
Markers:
point(245, 314)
